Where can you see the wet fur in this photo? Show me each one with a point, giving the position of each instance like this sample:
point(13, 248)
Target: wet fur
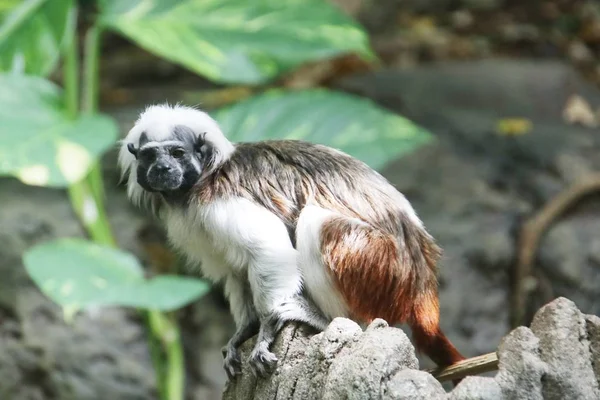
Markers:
point(297, 231)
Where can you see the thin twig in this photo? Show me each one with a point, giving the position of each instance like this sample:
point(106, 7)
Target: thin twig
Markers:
point(471, 366)
point(531, 234)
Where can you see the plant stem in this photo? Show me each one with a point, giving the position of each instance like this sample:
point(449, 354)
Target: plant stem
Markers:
point(86, 206)
point(164, 335)
point(90, 68)
point(175, 364)
point(71, 76)
point(89, 107)
point(173, 374)
point(156, 354)
point(89, 212)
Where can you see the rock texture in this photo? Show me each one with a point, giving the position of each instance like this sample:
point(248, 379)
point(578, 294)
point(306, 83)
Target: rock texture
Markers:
point(343, 362)
point(556, 359)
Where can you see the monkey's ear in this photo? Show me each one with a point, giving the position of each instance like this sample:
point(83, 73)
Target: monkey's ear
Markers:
point(143, 139)
point(200, 142)
point(132, 149)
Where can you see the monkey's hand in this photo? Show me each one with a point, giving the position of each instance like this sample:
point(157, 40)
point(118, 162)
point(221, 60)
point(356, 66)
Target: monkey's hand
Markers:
point(231, 361)
point(298, 309)
point(262, 361)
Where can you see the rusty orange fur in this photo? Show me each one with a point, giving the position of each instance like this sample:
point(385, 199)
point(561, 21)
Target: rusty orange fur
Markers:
point(383, 280)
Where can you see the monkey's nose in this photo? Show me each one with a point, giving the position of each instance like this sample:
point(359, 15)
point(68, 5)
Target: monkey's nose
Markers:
point(163, 168)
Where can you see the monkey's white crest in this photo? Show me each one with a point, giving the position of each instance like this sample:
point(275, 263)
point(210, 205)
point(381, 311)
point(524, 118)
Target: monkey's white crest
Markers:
point(158, 122)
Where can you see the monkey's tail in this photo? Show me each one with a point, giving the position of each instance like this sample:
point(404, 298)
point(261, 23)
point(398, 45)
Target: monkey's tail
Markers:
point(428, 335)
point(424, 318)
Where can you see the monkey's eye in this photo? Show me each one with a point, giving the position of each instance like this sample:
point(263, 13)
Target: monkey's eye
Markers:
point(177, 153)
point(147, 155)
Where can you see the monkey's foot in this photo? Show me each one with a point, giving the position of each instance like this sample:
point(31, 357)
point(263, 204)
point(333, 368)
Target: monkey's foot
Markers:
point(232, 362)
point(262, 361)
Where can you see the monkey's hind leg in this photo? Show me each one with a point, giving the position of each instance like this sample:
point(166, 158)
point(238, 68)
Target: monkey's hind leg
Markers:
point(274, 281)
point(297, 309)
point(279, 295)
point(300, 309)
point(247, 323)
point(262, 360)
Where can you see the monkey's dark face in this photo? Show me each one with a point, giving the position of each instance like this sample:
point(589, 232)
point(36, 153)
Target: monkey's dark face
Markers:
point(165, 167)
point(171, 166)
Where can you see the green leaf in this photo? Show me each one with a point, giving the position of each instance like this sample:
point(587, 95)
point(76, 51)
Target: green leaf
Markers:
point(32, 33)
point(77, 274)
point(236, 41)
point(38, 143)
point(349, 123)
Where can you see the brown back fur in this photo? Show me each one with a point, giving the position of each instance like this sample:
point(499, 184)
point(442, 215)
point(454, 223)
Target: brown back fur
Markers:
point(283, 175)
point(394, 277)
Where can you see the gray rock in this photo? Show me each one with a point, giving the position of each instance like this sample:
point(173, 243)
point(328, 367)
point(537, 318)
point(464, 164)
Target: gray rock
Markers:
point(321, 353)
point(584, 290)
point(593, 331)
point(562, 256)
point(520, 368)
point(410, 384)
point(343, 362)
point(552, 360)
point(565, 347)
point(477, 388)
point(23, 373)
point(359, 370)
point(470, 98)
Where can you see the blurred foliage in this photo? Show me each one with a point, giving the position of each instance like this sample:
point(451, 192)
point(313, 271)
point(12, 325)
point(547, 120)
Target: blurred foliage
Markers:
point(352, 124)
point(40, 144)
point(233, 41)
point(77, 273)
point(32, 33)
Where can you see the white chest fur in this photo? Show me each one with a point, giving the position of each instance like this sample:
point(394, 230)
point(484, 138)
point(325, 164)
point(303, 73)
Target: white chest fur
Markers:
point(235, 237)
point(187, 234)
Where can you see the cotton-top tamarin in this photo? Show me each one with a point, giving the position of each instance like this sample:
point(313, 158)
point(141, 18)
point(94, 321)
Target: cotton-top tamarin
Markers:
point(295, 231)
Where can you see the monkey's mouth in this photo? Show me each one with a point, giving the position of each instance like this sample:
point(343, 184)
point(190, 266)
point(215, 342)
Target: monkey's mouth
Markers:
point(164, 181)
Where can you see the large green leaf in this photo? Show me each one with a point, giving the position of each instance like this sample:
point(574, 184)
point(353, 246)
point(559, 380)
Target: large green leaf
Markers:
point(237, 41)
point(77, 274)
point(352, 124)
point(38, 143)
point(32, 33)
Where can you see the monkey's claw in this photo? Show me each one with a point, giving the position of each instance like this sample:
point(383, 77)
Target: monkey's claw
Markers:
point(262, 362)
point(231, 362)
